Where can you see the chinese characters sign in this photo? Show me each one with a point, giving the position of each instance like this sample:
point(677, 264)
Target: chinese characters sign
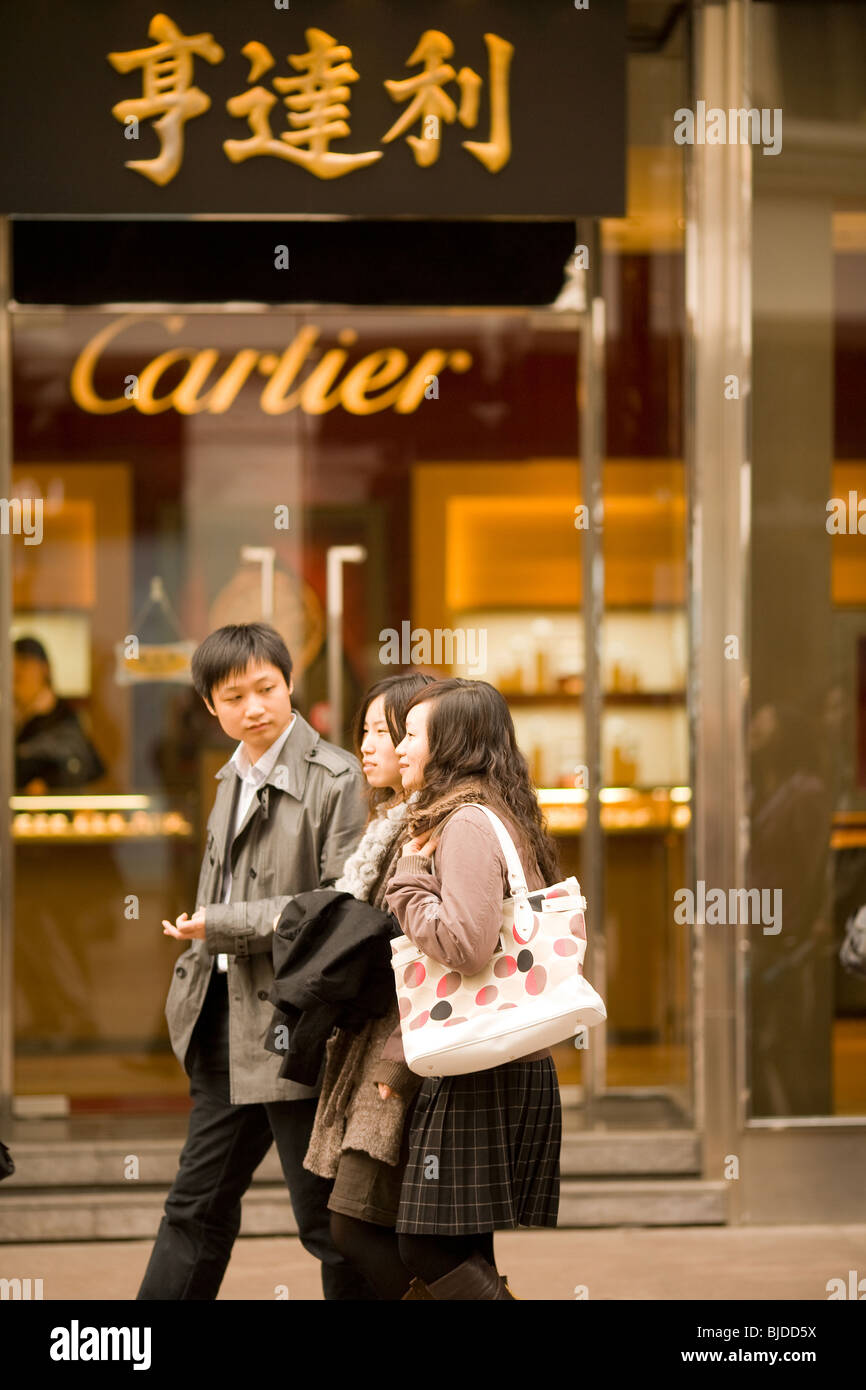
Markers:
point(448, 109)
point(318, 112)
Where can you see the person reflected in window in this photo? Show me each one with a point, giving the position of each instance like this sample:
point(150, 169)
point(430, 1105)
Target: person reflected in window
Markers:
point(52, 751)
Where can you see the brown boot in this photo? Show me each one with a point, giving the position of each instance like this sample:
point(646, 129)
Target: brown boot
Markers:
point(474, 1279)
point(417, 1289)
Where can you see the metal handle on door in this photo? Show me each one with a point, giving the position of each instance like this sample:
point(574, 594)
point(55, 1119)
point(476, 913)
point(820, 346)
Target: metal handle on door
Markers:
point(337, 557)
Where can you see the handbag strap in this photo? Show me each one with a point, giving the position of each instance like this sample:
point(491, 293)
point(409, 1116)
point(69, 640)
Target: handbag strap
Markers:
point(516, 879)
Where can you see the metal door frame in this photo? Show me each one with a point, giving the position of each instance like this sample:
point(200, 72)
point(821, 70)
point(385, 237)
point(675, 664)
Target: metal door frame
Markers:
point(7, 896)
point(785, 1163)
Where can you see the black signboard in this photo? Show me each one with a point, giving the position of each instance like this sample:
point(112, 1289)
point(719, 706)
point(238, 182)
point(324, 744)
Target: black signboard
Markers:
point(453, 108)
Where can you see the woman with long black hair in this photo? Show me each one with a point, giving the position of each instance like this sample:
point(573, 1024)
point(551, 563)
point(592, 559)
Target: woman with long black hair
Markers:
point(358, 1133)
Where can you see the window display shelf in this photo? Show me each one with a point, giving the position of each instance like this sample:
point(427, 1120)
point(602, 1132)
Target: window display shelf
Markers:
point(623, 809)
point(658, 698)
point(86, 819)
point(849, 830)
point(43, 828)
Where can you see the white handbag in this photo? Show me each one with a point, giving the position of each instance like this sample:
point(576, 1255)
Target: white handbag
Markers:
point(532, 993)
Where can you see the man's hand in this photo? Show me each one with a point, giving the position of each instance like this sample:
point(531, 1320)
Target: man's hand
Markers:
point(385, 1091)
point(186, 928)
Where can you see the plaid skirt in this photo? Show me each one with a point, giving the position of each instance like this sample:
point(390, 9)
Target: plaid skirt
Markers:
point(483, 1152)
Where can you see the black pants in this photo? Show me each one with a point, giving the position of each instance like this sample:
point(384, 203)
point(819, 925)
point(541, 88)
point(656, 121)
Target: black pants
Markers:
point(225, 1145)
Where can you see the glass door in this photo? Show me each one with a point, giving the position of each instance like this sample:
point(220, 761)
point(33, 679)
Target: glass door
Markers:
point(636, 620)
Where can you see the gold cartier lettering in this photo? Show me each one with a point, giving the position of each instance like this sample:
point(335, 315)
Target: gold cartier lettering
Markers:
point(376, 369)
point(314, 391)
point(147, 402)
point(274, 400)
point(410, 393)
point(222, 394)
point(81, 380)
point(319, 392)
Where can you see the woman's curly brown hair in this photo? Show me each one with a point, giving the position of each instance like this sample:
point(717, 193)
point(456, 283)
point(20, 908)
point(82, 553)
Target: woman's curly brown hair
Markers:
point(470, 734)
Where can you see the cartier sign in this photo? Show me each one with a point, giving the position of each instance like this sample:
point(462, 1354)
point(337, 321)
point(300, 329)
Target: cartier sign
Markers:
point(308, 375)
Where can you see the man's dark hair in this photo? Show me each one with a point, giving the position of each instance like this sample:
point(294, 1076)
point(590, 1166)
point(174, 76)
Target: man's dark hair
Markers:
point(31, 646)
point(230, 650)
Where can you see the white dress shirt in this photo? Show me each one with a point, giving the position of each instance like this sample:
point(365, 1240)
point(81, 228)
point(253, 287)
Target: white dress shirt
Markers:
point(252, 776)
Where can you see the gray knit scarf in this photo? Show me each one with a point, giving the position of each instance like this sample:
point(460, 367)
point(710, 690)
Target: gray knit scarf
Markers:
point(365, 864)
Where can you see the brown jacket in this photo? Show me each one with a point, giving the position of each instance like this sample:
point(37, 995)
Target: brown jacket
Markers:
point(452, 909)
point(351, 1114)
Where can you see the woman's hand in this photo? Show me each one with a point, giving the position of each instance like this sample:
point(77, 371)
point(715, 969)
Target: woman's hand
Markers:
point(420, 846)
point(385, 1091)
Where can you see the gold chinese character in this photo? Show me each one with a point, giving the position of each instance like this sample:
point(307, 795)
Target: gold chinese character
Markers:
point(317, 109)
point(431, 104)
point(166, 78)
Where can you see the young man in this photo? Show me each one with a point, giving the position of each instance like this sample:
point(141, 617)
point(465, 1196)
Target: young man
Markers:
point(289, 810)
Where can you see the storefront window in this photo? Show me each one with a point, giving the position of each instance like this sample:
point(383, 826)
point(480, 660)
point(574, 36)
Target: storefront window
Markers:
point(200, 469)
point(807, 1012)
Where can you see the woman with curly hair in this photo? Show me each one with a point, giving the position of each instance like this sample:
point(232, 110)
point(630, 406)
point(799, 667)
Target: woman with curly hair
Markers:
point(495, 1134)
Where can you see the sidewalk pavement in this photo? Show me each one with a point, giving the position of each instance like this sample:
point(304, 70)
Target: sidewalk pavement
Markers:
point(674, 1262)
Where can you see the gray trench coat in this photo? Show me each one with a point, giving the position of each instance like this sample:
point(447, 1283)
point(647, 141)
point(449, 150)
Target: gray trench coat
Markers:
point(301, 827)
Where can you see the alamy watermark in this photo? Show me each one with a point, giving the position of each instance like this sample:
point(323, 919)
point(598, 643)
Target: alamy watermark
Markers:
point(21, 1289)
point(846, 516)
point(443, 646)
point(738, 126)
point(77, 1343)
point(855, 1289)
point(716, 907)
point(22, 516)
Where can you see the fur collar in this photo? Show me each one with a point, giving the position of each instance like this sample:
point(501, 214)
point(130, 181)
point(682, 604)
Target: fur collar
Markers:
point(422, 824)
point(364, 865)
